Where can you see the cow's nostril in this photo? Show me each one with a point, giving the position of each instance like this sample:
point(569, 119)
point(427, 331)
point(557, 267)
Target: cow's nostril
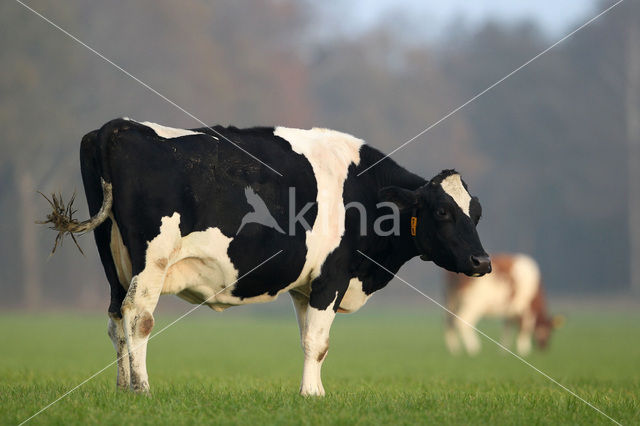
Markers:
point(481, 263)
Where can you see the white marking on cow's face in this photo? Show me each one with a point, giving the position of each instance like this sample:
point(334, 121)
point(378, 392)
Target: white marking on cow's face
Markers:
point(330, 154)
point(452, 185)
point(354, 298)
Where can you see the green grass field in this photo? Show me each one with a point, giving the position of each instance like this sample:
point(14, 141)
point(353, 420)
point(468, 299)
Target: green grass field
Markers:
point(383, 368)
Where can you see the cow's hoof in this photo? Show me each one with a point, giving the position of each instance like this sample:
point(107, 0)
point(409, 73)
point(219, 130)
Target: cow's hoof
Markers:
point(141, 390)
point(311, 391)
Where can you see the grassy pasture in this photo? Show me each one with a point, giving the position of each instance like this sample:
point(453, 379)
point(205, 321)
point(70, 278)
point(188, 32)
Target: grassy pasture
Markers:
point(384, 367)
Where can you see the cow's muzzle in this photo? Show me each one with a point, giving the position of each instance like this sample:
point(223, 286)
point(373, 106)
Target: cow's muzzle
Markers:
point(480, 265)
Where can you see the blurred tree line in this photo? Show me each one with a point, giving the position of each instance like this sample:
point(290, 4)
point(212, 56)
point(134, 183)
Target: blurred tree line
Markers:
point(547, 151)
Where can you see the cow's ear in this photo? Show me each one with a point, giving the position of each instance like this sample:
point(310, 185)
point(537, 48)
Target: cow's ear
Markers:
point(403, 198)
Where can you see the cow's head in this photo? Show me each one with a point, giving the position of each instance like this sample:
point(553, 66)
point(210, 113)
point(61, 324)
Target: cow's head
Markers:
point(445, 223)
point(544, 328)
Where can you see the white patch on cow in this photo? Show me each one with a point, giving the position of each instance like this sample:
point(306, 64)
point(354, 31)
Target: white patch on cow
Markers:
point(452, 185)
point(526, 275)
point(330, 154)
point(197, 264)
point(169, 132)
point(195, 267)
point(354, 298)
point(120, 254)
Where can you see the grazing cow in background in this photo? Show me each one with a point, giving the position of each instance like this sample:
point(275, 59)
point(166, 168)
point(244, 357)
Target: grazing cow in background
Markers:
point(176, 212)
point(513, 291)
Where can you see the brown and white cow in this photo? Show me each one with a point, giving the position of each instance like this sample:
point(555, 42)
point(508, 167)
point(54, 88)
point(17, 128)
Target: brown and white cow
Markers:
point(513, 291)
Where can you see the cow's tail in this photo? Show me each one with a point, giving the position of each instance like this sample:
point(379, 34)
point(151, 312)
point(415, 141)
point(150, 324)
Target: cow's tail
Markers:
point(95, 168)
point(62, 220)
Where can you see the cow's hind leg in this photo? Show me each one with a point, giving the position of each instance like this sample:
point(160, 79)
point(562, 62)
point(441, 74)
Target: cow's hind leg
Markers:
point(116, 333)
point(103, 235)
point(137, 318)
point(143, 294)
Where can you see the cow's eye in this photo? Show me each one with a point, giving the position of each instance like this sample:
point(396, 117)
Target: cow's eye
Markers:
point(442, 213)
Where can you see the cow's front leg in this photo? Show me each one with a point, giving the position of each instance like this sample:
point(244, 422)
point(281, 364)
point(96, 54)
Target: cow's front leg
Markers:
point(116, 333)
point(507, 332)
point(465, 323)
point(300, 304)
point(137, 317)
point(323, 304)
point(451, 335)
point(315, 344)
point(523, 341)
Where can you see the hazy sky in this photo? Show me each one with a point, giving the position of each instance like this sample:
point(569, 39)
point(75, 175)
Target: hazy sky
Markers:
point(553, 15)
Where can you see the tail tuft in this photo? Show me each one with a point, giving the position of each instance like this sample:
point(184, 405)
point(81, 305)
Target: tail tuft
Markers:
point(62, 220)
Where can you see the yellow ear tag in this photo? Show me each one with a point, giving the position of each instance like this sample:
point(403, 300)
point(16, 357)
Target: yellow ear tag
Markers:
point(414, 223)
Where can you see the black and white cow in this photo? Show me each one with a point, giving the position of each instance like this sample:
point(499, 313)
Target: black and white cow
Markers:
point(169, 212)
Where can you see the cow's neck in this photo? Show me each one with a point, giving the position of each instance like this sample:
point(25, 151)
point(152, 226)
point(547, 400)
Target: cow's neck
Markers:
point(391, 252)
point(385, 171)
point(404, 244)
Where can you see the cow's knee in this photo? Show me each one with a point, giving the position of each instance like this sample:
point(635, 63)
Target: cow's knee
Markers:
point(143, 324)
point(315, 348)
point(139, 321)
